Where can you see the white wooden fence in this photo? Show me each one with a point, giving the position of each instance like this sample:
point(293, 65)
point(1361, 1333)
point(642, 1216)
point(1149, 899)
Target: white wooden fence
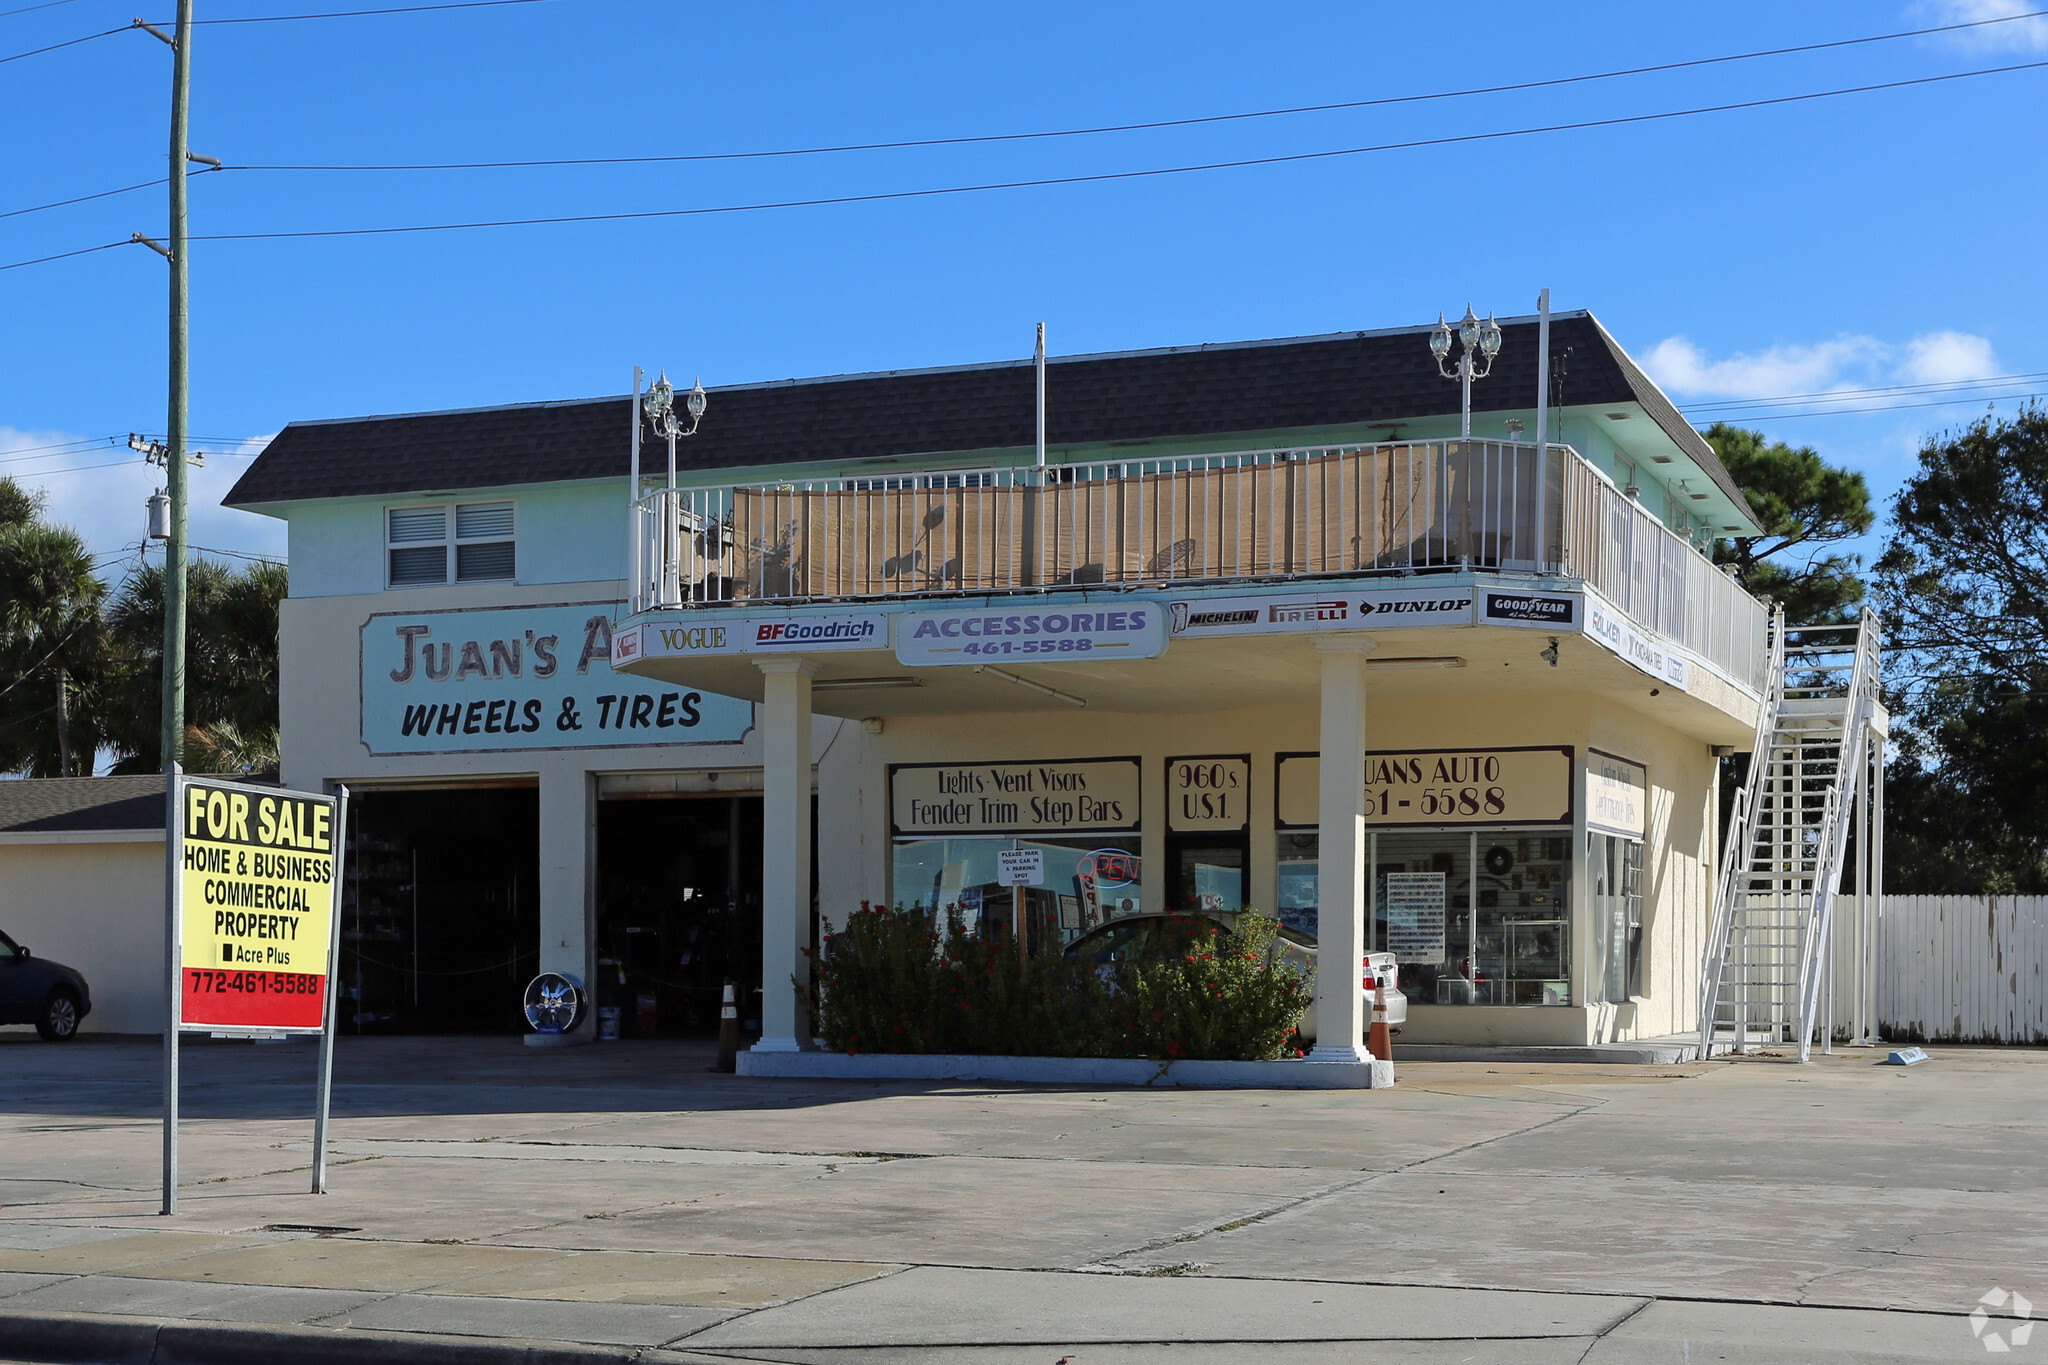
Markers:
point(1964, 969)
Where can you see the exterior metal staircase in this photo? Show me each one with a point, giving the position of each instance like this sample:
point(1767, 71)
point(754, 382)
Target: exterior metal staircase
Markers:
point(1813, 777)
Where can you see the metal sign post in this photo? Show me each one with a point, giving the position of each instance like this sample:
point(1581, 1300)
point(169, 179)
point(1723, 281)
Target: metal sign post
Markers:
point(324, 1089)
point(251, 893)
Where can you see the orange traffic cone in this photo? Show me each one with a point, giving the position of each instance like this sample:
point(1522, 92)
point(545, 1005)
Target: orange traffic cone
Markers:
point(1380, 1042)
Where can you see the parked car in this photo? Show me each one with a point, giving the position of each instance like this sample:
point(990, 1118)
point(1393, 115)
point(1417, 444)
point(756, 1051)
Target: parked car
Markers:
point(1139, 938)
point(35, 990)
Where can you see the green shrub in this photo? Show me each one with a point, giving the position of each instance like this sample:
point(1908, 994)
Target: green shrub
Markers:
point(904, 980)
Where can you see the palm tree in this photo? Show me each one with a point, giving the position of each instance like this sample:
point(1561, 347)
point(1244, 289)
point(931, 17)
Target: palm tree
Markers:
point(230, 667)
point(50, 640)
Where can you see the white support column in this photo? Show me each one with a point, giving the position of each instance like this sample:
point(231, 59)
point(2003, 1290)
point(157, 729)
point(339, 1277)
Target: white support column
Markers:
point(567, 826)
point(785, 850)
point(1340, 856)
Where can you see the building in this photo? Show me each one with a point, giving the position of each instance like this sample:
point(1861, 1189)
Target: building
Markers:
point(82, 883)
point(852, 640)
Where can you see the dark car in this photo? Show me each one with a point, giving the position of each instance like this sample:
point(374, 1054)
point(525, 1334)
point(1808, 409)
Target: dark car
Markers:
point(35, 990)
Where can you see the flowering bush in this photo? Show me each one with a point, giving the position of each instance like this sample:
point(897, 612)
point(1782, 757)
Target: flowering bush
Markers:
point(897, 980)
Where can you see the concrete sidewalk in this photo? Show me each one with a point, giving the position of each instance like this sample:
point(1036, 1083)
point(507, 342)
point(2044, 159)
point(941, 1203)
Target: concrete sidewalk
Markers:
point(495, 1203)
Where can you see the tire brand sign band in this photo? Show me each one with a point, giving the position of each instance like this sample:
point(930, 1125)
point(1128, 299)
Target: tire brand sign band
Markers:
point(1613, 630)
point(1088, 632)
point(1545, 610)
point(750, 635)
point(255, 894)
point(1297, 613)
point(1431, 788)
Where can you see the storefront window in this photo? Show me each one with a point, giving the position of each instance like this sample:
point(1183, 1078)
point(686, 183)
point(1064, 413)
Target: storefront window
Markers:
point(1088, 881)
point(1617, 871)
point(1511, 947)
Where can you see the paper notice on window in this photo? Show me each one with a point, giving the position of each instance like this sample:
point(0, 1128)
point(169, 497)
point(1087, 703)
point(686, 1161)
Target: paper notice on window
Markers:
point(1415, 915)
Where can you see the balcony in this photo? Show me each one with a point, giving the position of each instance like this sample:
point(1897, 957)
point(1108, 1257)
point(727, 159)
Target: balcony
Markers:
point(1260, 516)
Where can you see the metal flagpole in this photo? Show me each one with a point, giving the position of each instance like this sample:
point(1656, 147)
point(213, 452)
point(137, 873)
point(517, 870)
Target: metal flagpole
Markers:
point(1542, 431)
point(1039, 363)
point(633, 536)
point(327, 1022)
point(174, 974)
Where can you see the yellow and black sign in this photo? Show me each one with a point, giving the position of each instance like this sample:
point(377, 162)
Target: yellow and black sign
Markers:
point(256, 892)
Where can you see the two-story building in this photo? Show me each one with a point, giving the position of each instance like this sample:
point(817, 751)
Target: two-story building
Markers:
point(858, 637)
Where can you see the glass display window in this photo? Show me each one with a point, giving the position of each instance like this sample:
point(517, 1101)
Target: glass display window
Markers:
point(1476, 917)
point(1089, 880)
point(1615, 868)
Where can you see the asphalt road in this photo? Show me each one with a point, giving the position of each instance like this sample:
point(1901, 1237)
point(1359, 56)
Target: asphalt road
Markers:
point(622, 1202)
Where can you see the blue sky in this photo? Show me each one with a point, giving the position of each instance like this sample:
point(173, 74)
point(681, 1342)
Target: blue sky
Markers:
point(1868, 240)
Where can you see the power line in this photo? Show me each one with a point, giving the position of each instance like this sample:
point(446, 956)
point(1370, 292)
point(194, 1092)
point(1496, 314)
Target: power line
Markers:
point(25, 9)
point(1056, 133)
point(105, 194)
point(285, 19)
point(1157, 124)
point(1936, 386)
point(1873, 407)
point(1099, 178)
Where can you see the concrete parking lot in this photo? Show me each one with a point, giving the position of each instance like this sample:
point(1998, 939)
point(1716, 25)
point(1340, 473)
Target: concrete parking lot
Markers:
point(623, 1202)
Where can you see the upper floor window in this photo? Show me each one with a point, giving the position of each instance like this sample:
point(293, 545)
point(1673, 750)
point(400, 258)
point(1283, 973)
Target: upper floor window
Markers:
point(463, 542)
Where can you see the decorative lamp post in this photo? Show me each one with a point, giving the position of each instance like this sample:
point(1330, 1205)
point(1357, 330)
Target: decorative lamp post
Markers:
point(1482, 344)
point(659, 408)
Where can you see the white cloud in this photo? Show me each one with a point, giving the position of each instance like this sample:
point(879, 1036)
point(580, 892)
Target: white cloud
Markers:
point(1681, 367)
point(100, 489)
point(1944, 357)
point(2018, 35)
point(1843, 363)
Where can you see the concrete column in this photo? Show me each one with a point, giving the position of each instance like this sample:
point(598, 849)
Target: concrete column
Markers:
point(785, 850)
point(1340, 856)
point(567, 832)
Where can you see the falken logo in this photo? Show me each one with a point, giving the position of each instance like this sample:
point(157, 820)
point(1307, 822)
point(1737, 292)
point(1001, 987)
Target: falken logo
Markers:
point(1309, 611)
point(1368, 607)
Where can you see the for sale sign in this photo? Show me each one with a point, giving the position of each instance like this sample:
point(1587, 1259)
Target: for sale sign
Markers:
point(255, 890)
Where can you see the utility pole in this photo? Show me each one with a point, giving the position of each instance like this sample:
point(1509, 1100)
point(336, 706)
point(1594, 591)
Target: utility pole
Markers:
point(174, 464)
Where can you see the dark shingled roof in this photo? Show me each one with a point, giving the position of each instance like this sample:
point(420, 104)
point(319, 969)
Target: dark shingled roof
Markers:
point(50, 804)
point(1196, 391)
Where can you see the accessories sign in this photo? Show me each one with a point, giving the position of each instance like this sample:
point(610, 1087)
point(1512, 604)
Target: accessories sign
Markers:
point(255, 888)
point(1296, 613)
point(1129, 630)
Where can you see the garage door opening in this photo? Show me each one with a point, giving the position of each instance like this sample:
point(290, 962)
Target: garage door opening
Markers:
point(440, 927)
point(678, 911)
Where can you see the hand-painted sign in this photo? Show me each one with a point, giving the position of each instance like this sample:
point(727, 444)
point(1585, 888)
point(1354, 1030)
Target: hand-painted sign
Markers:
point(1618, 633)
point(517, 678)
point(1435, 787)
point(1615, 795)
point(1088, 632)
point(255, 892)
point(1208, 793)
point(1299, 613)
point(1090, 795)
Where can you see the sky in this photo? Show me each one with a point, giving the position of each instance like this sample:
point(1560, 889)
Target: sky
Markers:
point(1825, 246)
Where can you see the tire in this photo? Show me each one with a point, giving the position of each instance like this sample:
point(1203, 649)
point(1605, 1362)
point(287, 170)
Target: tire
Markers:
point(58, 1023)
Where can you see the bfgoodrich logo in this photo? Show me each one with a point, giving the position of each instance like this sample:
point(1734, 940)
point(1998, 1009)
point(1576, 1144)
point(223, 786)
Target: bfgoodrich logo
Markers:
point(1984, 1326)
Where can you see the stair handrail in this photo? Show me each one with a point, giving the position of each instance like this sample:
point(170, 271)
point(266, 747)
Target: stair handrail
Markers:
point(1735, 851)
point(1841, 797)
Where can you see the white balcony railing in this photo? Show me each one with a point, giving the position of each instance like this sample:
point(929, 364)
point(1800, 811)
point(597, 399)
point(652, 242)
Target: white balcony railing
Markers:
point(1254, 515)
